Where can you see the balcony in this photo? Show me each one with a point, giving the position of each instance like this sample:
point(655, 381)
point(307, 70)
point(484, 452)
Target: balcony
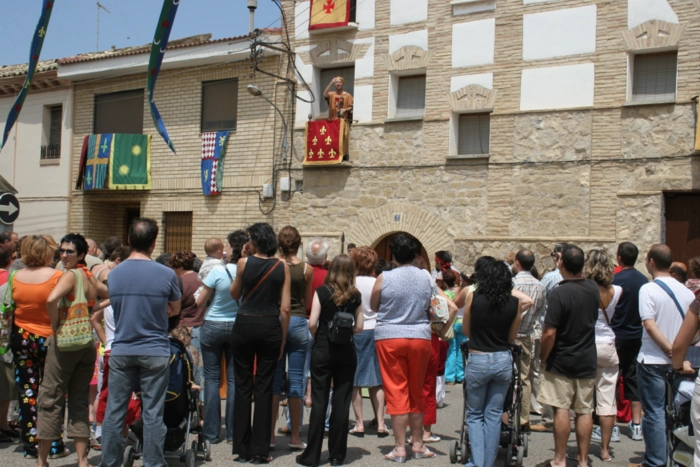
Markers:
point(50, 152)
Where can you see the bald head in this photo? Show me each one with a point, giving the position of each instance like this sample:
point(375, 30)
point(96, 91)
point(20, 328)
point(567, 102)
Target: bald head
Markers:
point(214, 248)
point(92, 247)
point(659, 258)
point(524, 260)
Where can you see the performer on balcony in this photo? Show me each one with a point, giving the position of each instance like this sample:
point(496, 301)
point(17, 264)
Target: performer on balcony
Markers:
point(340, 104)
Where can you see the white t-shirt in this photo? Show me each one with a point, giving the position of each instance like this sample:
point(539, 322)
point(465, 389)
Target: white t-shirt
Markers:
point(603, 332)
point(109, 327)
point(656, 304)
point(365, 284)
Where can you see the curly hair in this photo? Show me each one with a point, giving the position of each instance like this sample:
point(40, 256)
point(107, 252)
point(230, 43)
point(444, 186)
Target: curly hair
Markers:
point(289, 240)
point(263, 237)
point(36, 249)
point(365, 260)
point(236, 240)
point(341, 280)
point(480, 264)
point(182, 259)
point(599, 267)
point(495, 283)
point(403, 249)
point(694, 267)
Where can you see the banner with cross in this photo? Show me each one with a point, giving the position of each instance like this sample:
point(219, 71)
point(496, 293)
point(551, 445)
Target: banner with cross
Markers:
point(329, 14)
point(324, 140)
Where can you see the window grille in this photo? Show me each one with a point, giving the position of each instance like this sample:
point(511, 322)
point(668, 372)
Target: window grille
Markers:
point(119, 112)
point(411, 97)
point(473, 134)
point(219, 105)
point(178, 231)
point(654, 77)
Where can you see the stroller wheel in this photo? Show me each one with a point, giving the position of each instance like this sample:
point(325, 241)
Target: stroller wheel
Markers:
point(526, 439)
point(189, 458)
point(509, 455)
point(454, 445)
point(464, 454)
point(128, 456)
point(207, 450)
point(521, 455)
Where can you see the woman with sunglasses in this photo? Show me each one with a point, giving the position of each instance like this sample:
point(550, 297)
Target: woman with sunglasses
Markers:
point(30, 288)
point(263, 287)
point(68, 371)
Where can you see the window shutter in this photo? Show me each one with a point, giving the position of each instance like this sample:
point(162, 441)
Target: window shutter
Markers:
point(654, 77)
point(348, 74)
point(178, 231)
point(411, 97)
point(474, 133)
point(119, 112)
point(55, 127)
point(219, 105)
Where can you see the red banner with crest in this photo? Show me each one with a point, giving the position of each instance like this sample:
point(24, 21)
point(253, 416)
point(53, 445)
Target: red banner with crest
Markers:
point(325, 142)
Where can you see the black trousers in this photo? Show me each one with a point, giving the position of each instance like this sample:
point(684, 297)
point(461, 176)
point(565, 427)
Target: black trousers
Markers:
point(330, 364)
point(627, 351)
point(256, 342)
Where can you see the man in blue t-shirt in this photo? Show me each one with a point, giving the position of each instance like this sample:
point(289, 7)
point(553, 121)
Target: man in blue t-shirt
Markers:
point(144, 294)
point(627, 326)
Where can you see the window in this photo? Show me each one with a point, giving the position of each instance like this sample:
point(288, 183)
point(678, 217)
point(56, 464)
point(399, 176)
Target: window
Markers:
point(178, 231)
point(654, 77)
point(348, 74)
point(219, 105)
point(473, 134)
point(52, 132)
point(119, 112)
point(410, 101)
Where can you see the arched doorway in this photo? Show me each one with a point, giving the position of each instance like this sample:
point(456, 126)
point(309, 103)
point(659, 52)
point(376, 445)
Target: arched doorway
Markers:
point(384, 252)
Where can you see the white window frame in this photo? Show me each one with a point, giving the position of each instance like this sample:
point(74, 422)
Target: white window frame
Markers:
point(394, 77)
point(630, 75)
point(454, 132)
point(320, 87)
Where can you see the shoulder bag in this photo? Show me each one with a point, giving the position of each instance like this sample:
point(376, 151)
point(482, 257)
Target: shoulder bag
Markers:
point(340, 329)
point(74, 327)
point(7, 310)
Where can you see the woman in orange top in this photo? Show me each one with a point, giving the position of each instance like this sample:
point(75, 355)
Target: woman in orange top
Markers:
point(30, 289)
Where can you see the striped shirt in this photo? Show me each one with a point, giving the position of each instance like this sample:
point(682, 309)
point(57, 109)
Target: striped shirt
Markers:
point(525, 283)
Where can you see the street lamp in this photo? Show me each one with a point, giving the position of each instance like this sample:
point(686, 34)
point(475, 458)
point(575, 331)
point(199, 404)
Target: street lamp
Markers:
point(254, 90)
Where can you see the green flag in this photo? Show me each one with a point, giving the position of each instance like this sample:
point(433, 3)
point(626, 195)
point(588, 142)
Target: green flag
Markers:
point(130, 162)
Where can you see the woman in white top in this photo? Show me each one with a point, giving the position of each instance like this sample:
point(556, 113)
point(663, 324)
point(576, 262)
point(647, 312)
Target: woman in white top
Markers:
point(599, 267)
point(368, 374)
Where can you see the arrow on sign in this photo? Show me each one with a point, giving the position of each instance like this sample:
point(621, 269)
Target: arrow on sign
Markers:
point(9, 209)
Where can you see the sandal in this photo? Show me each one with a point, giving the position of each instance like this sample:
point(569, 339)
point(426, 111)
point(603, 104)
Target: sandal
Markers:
point(394, 458)
point(424, 454)
point(608, 459)
point(356, 432)
point(59, 455)
point(383, 434)
point(432, 439)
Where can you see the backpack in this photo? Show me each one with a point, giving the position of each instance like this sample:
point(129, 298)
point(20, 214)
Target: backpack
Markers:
point(341, 327)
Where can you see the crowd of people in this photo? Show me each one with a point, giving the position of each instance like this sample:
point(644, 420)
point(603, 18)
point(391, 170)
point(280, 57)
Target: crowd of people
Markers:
point(87, 327)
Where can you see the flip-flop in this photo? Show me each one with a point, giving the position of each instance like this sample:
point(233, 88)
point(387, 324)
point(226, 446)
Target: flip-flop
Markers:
point(394, 458)
point(424, 454)
point(383, 434)
point(608, 459)
point(356, 432)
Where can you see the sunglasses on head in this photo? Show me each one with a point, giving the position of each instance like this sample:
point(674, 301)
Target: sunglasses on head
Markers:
point(66, 251)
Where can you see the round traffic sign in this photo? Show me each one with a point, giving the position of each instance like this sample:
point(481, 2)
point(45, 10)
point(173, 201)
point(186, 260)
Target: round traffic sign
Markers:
point(9, 208)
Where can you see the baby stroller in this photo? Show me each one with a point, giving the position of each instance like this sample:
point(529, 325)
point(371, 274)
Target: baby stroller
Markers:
point(512, 439)
point(680, 439)
point(181, 415)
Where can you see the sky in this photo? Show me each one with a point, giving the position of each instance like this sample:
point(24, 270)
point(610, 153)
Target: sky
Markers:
point(73, 26)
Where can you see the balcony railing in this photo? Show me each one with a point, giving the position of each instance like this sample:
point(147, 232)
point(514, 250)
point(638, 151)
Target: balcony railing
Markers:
point(51, 151)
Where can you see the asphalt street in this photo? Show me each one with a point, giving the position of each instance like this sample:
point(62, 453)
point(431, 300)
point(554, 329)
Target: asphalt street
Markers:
point(368, 451)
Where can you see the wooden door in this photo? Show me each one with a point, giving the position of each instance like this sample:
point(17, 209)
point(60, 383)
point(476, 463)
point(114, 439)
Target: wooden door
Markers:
point(683, 225)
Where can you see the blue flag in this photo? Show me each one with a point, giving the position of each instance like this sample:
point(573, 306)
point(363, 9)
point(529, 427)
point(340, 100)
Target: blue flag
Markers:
point(213, 152)
point(34, 52)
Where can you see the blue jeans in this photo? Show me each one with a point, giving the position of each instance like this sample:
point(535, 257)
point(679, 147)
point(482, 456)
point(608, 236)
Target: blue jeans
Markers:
point(488, 376)
point(653, 398)
point(296, 350)
point(126, 373)
point(216, 339)
point(454, 367)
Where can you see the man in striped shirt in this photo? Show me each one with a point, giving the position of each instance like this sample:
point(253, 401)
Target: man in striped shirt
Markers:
point(527, 284)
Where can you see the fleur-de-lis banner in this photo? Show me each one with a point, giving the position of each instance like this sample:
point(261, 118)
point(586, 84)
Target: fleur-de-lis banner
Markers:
point(34, 52)
point(160, 43)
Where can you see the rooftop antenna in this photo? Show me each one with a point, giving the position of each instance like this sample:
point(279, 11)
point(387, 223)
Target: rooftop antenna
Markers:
point(99, 5)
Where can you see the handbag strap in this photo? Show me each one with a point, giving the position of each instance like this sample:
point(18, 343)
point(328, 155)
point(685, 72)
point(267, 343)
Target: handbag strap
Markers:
point(262, 280)
point(11, 302)
point(670, 293)
point(605, 312)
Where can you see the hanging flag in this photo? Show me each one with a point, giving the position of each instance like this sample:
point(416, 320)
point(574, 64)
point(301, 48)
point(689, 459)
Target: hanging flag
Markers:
point(98, 161)
point(130, 162)
point(34, 53)
point(325, 140)
point(329, 14)
point(213, 152)
point(160, 43)
point(83, 161)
